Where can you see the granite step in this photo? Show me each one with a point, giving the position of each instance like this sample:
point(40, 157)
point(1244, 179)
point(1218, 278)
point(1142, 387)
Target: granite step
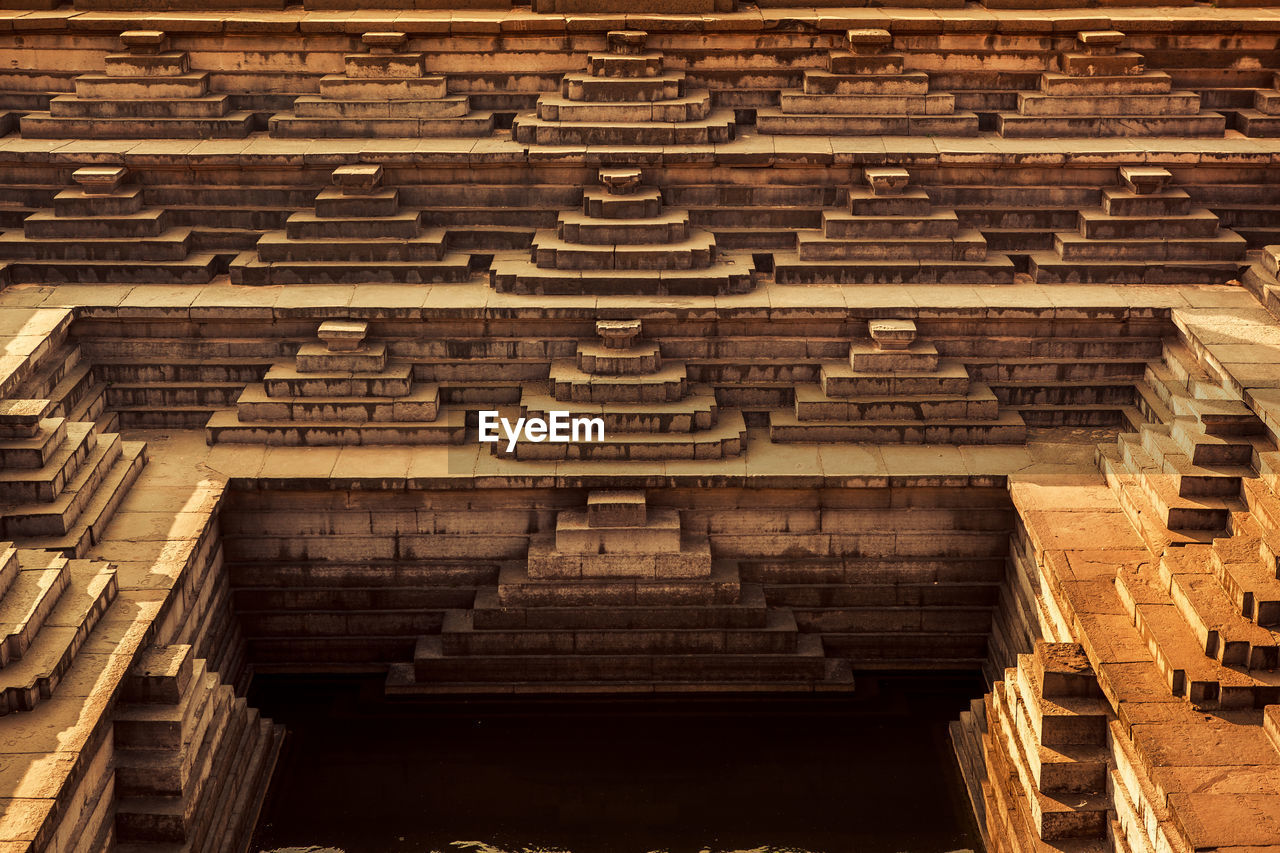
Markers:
point(516, 589)
point(50, 225)
point(1007, 428)
point(1016, 126)
point(233, 125)
point(748, 611)
point(774, 121)
point(145, 105)
point(29, 600)
point(966, 245)
point(353, 109)
point(196, 268)
point(717, 126)
point(156, 88)
point(278, 247)
point(290, 125)
point(979, 403)
point(697, 411)
point(59, 516)
point(247, 268)
point(227, 428)
point(44, 484)
point(89, 527)
point(284, 379)
point(420, 405)
point(517, 274)
point(35, 452)
point(727, 438)
point(789, 268)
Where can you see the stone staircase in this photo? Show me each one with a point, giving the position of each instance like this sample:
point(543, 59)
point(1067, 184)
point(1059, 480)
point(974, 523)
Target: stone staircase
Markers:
point(1104, 91)
point(622, 242)
point(60, 481)
point(339, 391)
point(357, 233)
point(103, 231)
point(147, 92)
point(865, 91)
point(896, 390)
point(49, 606)
point(192, 759)
point(69, 380)
point(619, 599)
point(1046, 744)
point(891, 234)
point(383, 92)
point(648, 406)
point(1263, 118)
point(1145, 232)
point(625, 97)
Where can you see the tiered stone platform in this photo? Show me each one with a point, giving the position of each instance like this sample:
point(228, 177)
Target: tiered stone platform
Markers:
point(619, 599)
point(340, 390)
point(1104, 91)
point(383, 92)
point(103, 231)
point(626, 97)
point(149, 91)
point(648, 406)
point(1145, 231)
point(865, 91)
point(357, 232)
point(60, 482)
point(623, 241)
point(896, 389)
point(1262, 119)
point(891, 234)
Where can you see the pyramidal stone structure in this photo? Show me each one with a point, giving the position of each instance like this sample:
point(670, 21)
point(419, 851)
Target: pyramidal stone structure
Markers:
point(148, 91)
point(357, 232)
point(866, 91)
point(623, 241)
point(385, 91)
point(619, 593)
point(1102, 90)
point(626, 97)
point(648, 407)
point(341, 390)
point(891, 232)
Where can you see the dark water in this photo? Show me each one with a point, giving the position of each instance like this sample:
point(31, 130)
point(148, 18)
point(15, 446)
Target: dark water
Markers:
point(362, 775)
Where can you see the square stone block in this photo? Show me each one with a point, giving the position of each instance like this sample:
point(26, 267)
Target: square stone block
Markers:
point(21, 418)
point(343, 335)
point(892, 334)
point(660, 534)
point(360, 179)
point(887, 181)
point(616, 508)
point(99, 180)
point(1145, 180)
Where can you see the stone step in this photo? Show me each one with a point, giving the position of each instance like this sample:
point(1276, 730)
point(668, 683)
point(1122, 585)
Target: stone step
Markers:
point(1189, 479)
point(1257, 124)
point(569, 383)
point(35, 452)
point(169, 63)
point(727, 438)
point(290, 125)
point(89, 526)
point(1064, 768)
point(171, 245)
point(858, 104)
point(285, 380)
point(1249, 582)
point(152, 770)
point(839, 225)
point(1224, 634)
point(775, 121)
point(338, 87)
point(196, 268)
point(278, 247)
point(1096, 225)
point(1173, 510)
point(1050, 268)
point(697, 251)
point(517, 274)
point(35, 678)
point(1017, 126)
point(516, 589)
point(26, 604)
point(1168, 203)
point(839, 379)
point(420, 405)
point(1178, 655)
point(1224, 246)
point(57, 517)
point(1219, 417)
point(162, 726)
point(717, 126)
point(323, 107)
point(880, 64)
point(585, 87)
point(233, 125)
point(247, 268)
point(460, 637)
point(747, 612)
point(693, 105)
point(697, 411)
point(1007, 428)
point(333, 203)
point(1097, 105)
point(44, 484)
point(671, 227)
point(46, 225)
point(432, 663)
point(1213, 450)
point(640, 358)
point(789, 268)
point(610, 65)
point(141, 107)
point(914, 83)
point(227, 428)
point(152, 87)
point(978, 404)
point(967, 245)
point(10, 565)
point(1066, 86)
point(403, 224)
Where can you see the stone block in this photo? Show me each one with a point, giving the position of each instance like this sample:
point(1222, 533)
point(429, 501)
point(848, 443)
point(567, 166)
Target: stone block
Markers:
point(626, 42)
point(361, 179)
point(616, 508)
point(659, 534)
point(343, 335)
point(99, 180)
point(892, 334)
point(21, 418)
point(618, 334)
point(144, 41)
point(1145, 180)
point(869, 41)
